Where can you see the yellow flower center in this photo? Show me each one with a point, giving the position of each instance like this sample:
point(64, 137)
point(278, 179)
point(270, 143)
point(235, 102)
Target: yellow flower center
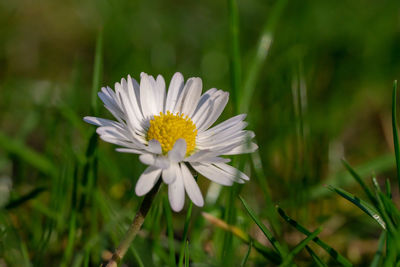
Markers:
point(167, 128)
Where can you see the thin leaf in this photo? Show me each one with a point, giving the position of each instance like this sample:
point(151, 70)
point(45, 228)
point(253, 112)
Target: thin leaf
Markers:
point(170, 231)
point(227, 251)
point(289, 258)
point(390, 258)
point(235, 62)
point(137, 256)
point(315, 257)
point(395, 131)
point(385, 215)
point(388, 188)
point(343, 178)
point(187, 256)
point(364, 206)
point(27, 154)
point(263, 48)
point(98, 62)
point(185, 233)
point(244, 261)
point(378, 255)
point(21, 200)
point(265, 251)
point(357, 177)
point(334, 254)
point(390, 207)
point(264, 229)
point(263, 183)
point(71, 240)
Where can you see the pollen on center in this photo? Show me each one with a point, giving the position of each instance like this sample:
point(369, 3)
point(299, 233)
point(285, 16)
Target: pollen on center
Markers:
point(167, 128)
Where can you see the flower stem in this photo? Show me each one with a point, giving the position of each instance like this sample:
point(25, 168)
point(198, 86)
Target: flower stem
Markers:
point(134, 227)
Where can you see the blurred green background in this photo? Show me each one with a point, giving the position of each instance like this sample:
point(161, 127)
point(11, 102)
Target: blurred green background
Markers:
point(322, 93)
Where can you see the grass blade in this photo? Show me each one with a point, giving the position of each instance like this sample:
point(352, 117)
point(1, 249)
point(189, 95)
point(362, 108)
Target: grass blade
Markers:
point(71, 240)
point(395, 131)
point(262, 51)
point(364, 206)
point(98, 63)
point(378, 255)
point(343, 178)
point(269, 206)
point(390, 258)
point(27, 154)
point(266, 252)
point(185, 233)
point(244, 261)
point(264, 229)
point(315, 257)
point(170, 231)
point(388, 188)
point(300, 246)
point(367, 191)
point(187, 256)
point(334, 254)
point(235, 63)
point(136, 256)
point(21, 200)
point(389, 212)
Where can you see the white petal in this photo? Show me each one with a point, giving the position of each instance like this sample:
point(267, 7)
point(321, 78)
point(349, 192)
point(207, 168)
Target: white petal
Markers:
point(110, 132)
point(231, 170)
point(158, 161)
point(129, 109)
point(235, 124)
point(242, 149)
point(174, 89)
point(160, 86)
point(208, 158)
point(147, 97)
point(209, 94)
point(119, 142)
point(110, 100)
point(129, 150)
point(204, 106)
point(230, 137)
point(207, 155)
point(191, 99)
point(114, 132)
point(147, 180)
point(154, 146)
point(177, 153)
point(114, 110)
point(176, 192)
point(169, 175)
point(182, 96)
point(198, 155)
point(162, 162)
point(191, 187)
point(99, 121)
point(134, 96)
point(218, 107)
point(213, 173)
point(147, 159)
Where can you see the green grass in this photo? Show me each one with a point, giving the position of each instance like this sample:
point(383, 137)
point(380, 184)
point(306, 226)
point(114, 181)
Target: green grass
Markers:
point(313, 79)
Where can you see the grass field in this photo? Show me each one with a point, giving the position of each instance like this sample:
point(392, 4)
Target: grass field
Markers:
point(314, 77)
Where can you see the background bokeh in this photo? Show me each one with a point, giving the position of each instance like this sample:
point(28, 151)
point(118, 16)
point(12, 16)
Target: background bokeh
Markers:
point(323, 93)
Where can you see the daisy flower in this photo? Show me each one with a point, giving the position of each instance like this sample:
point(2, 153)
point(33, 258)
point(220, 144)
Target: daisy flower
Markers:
point(171, 130)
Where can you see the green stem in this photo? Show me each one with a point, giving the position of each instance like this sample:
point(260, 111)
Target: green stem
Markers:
point(135, 227)
point(235, 64)
point(185, 233)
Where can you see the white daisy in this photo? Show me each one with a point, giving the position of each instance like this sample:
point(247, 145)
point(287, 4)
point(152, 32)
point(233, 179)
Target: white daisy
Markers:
point(171, 130)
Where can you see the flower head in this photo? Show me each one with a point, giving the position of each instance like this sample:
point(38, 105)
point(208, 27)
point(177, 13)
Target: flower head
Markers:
point(171, 130)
